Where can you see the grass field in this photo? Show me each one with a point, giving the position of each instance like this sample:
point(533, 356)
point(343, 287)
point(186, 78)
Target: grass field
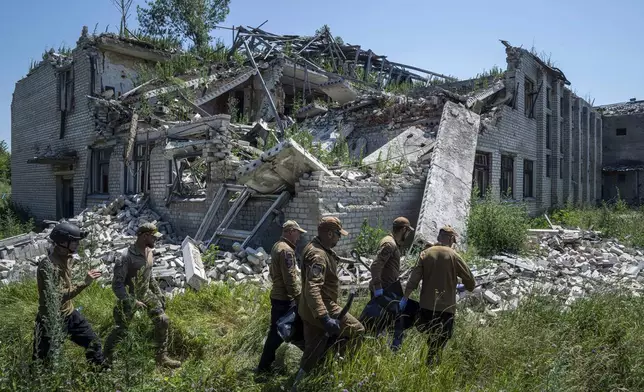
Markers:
point(218, 333)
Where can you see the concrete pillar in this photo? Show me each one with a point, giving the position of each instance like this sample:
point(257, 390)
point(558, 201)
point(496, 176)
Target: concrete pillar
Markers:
point(592, 158)
point(543, 184)
point(576, 150)
point(599, 161)
point(557, 144)
point(566, 132)
point(585, 153)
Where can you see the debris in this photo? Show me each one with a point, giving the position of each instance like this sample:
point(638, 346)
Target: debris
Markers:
point(195, 272)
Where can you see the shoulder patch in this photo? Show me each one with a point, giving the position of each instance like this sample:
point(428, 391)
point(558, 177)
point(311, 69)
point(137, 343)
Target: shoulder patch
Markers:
point(289, 259)
point(316, 270)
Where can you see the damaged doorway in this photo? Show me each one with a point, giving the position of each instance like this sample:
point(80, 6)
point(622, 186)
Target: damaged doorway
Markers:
point(64, 197)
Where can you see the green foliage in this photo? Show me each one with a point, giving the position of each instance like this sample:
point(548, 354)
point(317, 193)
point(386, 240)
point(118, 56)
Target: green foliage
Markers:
point(369, 238)
point(183, 19)
point(210, 255)
point(5, 163)
point(496, 226)
point(14, 219)
point(616, 220)
point(218, 332)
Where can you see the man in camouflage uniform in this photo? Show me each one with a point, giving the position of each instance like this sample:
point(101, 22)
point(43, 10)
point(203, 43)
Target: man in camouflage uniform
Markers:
point(285, 292)
point(319, 301)
point(55, 294)
point(136, 289)
point(438, 268)
point(385, 270)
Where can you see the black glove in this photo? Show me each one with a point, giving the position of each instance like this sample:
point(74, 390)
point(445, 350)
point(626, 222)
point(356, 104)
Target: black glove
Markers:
point(331, 325)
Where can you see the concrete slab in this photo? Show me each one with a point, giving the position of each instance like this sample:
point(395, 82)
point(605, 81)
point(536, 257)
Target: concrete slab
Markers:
point(311, 110)
point(409, 146)
point(446, 200)
point(339, 90)
point(282, 165)
point(195, 271)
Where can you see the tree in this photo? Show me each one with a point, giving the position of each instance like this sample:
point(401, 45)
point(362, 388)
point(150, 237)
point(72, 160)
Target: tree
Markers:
point(183, 19)
point(5, 162)
point(124, 9)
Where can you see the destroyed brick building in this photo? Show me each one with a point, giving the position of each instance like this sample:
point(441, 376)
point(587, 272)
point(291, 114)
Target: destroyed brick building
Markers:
point(92, 125)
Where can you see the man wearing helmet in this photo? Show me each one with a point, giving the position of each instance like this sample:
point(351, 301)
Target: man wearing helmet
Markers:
point(136, 289)
point(55, 294)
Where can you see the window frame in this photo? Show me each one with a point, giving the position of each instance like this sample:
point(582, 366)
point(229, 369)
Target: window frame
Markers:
point(548, 163)
point(528, 174)
point(528, 97)
point(135, 173)
point(507, 176)
point(484, 169)
point(100, 170)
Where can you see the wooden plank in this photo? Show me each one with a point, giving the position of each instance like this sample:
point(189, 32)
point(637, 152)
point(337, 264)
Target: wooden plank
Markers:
point(278, 203)
point(212, 211)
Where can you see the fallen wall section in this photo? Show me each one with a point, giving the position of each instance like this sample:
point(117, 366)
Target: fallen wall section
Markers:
point(446, 200)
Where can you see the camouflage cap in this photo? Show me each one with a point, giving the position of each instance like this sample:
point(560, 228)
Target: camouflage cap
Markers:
point(401, 221)
point(332, 223)
point(292, 225)
point(149, 228)
point(448, 230)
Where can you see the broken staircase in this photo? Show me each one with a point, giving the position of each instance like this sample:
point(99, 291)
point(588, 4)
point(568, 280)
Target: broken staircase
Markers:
point(223, 230)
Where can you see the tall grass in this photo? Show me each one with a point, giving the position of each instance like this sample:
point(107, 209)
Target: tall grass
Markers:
point(495, 226)
point(14, 219)
point(218, 333)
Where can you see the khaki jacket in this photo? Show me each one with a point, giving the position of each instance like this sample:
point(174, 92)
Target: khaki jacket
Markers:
point(55, 273)
point(283, 272)
point(133, 275)
point(438, 267)
point(385, 270)
point(320, 283)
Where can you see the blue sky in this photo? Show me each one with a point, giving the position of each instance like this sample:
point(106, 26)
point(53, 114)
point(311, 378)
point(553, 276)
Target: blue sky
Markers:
point(597, 44)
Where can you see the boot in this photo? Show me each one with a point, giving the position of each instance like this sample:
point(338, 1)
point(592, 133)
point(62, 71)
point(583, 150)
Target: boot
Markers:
point(165, 361)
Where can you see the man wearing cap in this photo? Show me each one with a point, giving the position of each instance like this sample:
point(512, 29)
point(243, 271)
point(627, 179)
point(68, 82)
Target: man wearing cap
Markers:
point(438, 267)
point(136, 289)
point(285, 292)
point(55, 294)
point(385, 270)
point(319, 301)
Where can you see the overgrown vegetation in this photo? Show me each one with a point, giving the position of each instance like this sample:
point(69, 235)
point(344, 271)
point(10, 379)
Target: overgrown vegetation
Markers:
point(369, 238)
point(218, 334)
point(616, 220)
point(210, 256)
point(495, 226)
point(191, 20)
point(13, 219)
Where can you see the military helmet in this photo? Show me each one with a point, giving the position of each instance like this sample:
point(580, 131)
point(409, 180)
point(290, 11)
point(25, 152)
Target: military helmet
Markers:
point(66, 232)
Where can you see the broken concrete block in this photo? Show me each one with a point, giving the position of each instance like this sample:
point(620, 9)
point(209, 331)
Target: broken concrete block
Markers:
point(448, 187)
point(311, 110)
point(195, 272)
point(491, 297)
point(339, 90)
point(409, 146)
point(246, 269)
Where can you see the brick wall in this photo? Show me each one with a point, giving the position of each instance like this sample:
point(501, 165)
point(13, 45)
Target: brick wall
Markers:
point(379, 204)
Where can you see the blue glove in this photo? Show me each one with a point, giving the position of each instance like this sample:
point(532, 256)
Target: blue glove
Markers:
point(331, 325)
point(460, 287)
point(377, 292)
point(402, 304)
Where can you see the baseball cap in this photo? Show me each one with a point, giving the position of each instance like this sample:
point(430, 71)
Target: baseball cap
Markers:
point(149, 228)
point(332, 223)
point(292, 225)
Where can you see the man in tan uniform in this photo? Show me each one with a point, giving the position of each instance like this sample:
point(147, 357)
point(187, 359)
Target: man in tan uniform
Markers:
point(438, 267)
point(136, 289)
point(319, 301)
point(385, 270)
point(285, 292)
point(55, 294)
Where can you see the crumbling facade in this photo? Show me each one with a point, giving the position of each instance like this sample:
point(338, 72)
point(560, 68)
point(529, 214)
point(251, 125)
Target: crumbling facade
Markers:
point(93, 125)
point(623, 151)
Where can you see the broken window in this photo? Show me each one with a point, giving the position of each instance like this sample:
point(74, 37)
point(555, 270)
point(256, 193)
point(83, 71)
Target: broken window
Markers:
point(507, 176)
point(621, 178)
point(481, 174)
point(547, 165)
point(561, 168)
point(101, 170)
point(620, 132)
point(548, 97)
point(547, 131)
point(137, 178)
point(189, 177)
point(528, 93)
point(528, 178)
point(66, 89)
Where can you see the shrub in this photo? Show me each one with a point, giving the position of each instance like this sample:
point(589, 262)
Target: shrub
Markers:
point(496, 226)
point(369, 238)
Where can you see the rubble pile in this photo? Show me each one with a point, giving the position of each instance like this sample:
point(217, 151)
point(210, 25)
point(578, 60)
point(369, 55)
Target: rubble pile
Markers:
point(573, 264)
